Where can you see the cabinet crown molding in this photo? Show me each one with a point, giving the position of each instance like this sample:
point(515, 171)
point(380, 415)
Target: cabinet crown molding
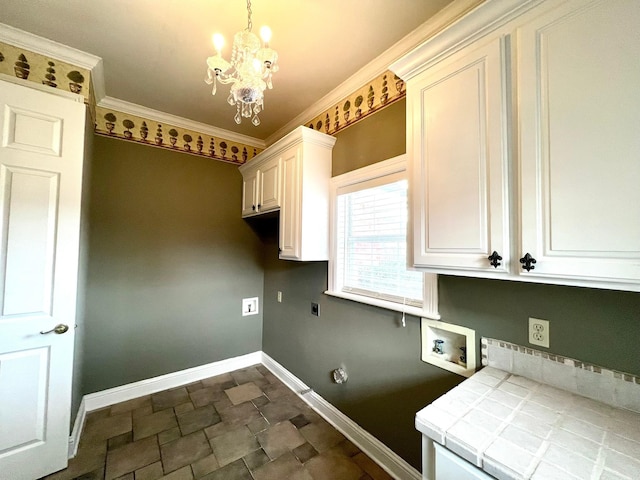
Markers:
point(301, 134)
point(474, 25)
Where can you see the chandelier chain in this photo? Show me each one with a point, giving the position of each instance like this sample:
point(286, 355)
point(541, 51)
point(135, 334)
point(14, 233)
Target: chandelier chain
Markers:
point(249, 12)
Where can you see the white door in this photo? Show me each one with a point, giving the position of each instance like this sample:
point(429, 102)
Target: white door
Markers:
point(459, 163)
point(41, 154)
point(578, 78)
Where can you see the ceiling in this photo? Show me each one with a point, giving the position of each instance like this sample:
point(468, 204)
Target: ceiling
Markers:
point(154, 51)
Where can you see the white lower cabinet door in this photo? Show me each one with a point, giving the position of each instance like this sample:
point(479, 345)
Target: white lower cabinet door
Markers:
point(459, 162)
point(578, 78)
point(451, 467)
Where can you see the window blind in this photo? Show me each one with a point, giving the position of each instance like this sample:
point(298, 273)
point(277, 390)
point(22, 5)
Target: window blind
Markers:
point(371, 244)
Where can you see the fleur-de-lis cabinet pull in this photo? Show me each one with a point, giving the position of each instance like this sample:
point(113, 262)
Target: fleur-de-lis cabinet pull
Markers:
point(495, 259)
point(527, 262)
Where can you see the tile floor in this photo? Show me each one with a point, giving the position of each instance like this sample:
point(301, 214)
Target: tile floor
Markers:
point(243, 425)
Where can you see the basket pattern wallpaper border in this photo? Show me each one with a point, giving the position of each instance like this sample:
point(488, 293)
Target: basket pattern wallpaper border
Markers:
point(380, 92)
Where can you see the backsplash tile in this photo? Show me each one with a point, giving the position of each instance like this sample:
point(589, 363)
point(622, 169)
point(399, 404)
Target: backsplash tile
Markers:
point(618, 389)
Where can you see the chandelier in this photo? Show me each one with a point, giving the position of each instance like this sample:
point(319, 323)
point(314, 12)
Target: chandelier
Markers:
point(249, 71)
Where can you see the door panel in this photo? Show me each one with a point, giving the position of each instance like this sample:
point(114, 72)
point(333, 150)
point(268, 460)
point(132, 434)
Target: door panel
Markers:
point(23, 378)
point(290, 209)
point(249, 192)
point(459, 162)
point(270, 187)
point(31, 205)
point(41, 155)
point(578, 80)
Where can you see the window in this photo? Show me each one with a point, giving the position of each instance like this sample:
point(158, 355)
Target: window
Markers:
point(368, 261)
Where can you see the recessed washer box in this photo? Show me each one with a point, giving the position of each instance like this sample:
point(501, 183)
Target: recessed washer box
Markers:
point(249, 306)
point(449, 346)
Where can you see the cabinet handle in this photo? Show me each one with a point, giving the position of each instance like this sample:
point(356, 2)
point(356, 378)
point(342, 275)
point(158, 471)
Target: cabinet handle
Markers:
point(494, 257)
point(279, 250)
point(253, 207)
point(527, 262)
point(259, 206)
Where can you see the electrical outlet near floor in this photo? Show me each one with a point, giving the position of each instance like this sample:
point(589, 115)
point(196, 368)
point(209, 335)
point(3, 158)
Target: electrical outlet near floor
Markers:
point(539, 332)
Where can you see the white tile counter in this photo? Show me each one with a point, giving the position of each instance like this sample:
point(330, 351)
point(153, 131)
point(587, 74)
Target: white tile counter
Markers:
point(513, 427)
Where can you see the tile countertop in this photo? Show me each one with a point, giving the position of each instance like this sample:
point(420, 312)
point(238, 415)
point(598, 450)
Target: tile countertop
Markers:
point(513, 427)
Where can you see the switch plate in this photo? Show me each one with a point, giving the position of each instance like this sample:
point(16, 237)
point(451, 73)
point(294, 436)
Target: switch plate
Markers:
point(315, 309)
point(249, 306)
point(279, 297)
point(539, 332)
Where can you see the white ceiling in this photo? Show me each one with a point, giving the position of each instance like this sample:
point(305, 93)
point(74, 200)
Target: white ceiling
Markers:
point(154, 51)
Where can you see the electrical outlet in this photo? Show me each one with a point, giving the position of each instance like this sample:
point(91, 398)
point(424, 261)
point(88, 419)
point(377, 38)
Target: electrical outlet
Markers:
point(539, 332)
point(279, 297)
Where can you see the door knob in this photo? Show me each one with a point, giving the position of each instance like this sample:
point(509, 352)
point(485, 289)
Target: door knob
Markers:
point(59, 329)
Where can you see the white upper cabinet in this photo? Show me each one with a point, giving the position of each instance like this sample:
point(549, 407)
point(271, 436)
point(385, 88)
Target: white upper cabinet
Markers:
point(578, 80)
point(523, 136)
point(261, 186)
point(456, 130)
point(292, 175)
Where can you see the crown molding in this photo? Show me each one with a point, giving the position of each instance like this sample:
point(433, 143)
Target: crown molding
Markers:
point(97, 81)
point(49, 48)
point(486, 18)
point(181, 122)
point(380, 64)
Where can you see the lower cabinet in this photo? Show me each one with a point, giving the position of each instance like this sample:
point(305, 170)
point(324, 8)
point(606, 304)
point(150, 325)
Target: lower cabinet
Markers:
point(301, 180)
point(451, 467)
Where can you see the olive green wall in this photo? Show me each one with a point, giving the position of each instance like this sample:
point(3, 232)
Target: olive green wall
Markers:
point(169, 261)
point(388, 382)
point(355, 149)
point(83, 260)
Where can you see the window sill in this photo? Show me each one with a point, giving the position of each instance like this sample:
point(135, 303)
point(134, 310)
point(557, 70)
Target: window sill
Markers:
point(415, 311)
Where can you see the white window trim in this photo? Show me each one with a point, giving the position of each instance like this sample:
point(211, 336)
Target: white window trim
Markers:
point(430, 282)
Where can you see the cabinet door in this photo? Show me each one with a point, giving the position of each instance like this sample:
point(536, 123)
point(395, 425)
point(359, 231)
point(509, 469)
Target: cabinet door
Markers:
point(449, 466)
point(269, 187)
point(578, 78)
point(250, 193)
point(290, 209)
point(459, 162)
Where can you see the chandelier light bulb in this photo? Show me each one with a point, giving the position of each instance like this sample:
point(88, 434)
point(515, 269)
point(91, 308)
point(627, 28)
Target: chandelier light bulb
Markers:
point(265, 34)
point(218, 41)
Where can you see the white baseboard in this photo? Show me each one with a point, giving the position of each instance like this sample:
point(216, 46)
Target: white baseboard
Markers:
point(78, 425)
point(374, 448)
point(111, 396)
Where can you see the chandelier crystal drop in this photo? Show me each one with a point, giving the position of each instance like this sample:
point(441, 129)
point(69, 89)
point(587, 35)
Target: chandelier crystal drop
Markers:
point(249, 72)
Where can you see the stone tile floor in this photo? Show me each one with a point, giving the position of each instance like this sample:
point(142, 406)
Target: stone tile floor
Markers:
point(243, 425)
